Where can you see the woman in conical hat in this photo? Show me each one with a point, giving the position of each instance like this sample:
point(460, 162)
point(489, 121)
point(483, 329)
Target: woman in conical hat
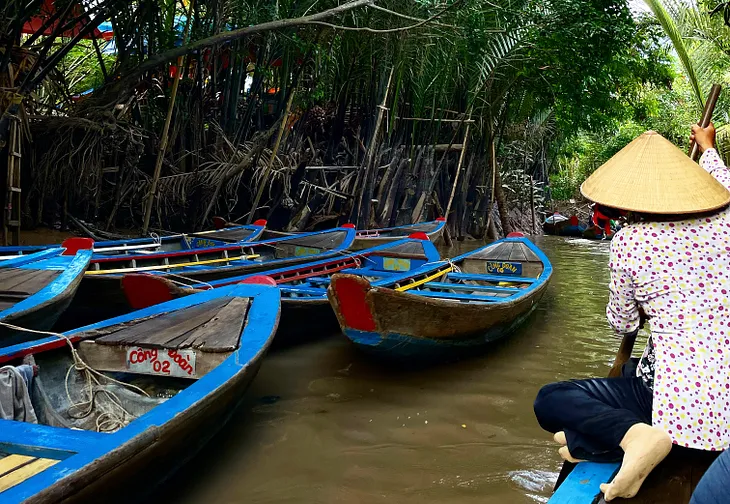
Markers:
point(670, 265)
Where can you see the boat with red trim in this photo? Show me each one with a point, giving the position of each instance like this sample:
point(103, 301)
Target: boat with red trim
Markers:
point(305, 308)
point(165, 379)
point(100, 295)
point(35, 289)
point(455, 307)
point(157, 244)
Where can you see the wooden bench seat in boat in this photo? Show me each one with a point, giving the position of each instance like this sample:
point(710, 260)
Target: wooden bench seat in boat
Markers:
point(475, 288)
point(17, 284)
point(462, 297)
point(204, 334)
point(232, 236)
point(309, 291)
point(15, 469)
point(491, 278)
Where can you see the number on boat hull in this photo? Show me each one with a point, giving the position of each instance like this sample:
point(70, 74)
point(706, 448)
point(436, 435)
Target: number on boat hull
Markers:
point(160, 361)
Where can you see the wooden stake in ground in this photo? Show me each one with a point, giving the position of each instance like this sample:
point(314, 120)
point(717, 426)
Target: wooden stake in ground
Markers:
point(265, 178)
point(371, 151)
point(458, 170)
point(166, 129)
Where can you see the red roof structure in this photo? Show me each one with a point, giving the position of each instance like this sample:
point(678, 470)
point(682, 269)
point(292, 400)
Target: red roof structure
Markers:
point(48, 9)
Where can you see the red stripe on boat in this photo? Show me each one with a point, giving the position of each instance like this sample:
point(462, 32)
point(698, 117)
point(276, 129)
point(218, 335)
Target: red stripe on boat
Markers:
point(142, 291)
point(419, 235)
point(351, 294)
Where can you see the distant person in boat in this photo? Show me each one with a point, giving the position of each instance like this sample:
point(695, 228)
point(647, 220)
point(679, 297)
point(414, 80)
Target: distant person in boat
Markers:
point(671, 266)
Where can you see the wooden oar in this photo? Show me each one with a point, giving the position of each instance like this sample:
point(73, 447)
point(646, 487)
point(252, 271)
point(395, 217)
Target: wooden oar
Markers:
point(710, 104)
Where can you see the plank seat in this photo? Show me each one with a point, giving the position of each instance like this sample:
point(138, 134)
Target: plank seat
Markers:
point(311, 291)
point(214, 326)
point(317, 281)
point(14, 469)
point(459, 297)
point(468, 287)
point(368, 272)
point(491, 278)
point(17, 284)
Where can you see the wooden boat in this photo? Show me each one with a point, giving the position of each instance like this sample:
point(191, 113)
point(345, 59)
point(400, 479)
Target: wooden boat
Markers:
point(560, 225)
point(36, 288)
point(596, 233)
point(152, 244)
point(553, 223)
point(460, 305)
point(305, 310)
point(367, 238)
point(373, 237)
point(101, 296)
point(191, 358)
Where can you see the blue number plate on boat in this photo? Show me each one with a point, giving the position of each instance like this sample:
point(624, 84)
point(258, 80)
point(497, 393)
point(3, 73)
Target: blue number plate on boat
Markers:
point(504, 268)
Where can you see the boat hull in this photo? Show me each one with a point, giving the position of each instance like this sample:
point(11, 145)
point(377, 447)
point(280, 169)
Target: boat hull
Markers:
point(132, 472)
point(361, 242)
point(407, 325)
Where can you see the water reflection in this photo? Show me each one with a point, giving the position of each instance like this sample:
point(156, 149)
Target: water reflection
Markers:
point(323, 423)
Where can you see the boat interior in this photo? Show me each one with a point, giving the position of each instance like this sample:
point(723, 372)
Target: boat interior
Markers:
point(500, 272)
point(400, 258)
point(134, 365)
point(403, 231)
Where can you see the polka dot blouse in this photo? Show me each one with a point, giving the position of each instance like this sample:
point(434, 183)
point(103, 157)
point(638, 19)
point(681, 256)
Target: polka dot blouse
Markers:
point(679, 273)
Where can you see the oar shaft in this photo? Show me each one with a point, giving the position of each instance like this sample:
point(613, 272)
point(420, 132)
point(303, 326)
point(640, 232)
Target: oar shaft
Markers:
point(710, 104)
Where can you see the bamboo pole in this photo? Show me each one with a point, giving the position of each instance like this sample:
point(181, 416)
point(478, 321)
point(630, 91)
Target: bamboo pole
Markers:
point(166, 129)
point(371, 148)
point(458, 171)
point(275, 150)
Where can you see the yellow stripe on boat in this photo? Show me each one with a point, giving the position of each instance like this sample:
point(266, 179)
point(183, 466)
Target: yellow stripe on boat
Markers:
point(15, 469)
point(404, 288)
point(170, 266)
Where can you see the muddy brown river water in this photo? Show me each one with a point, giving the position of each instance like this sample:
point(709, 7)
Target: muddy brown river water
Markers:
point(323, 423)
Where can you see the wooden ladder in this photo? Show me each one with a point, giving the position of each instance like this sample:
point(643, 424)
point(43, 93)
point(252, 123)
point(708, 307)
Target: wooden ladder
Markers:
point(11, 218)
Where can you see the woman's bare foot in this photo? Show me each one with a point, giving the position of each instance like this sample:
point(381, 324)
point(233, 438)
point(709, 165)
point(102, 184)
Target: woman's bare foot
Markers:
point(564, 452)
point(644, 447)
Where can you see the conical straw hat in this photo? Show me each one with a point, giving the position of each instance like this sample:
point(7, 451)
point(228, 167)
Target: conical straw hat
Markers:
point(651, 175)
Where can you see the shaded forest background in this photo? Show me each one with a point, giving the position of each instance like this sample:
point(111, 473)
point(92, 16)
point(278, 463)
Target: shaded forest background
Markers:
point(310, 113)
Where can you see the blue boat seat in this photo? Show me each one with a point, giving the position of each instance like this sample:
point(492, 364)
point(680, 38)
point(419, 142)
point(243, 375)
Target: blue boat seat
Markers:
point(367, 272)
point(317, 281)
point(467, 287)
point(461, 297)
point(491, 278)
point(309, 291)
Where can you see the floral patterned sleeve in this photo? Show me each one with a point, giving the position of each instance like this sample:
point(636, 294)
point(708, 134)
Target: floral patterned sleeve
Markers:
point(622, 310)
point(712, 163)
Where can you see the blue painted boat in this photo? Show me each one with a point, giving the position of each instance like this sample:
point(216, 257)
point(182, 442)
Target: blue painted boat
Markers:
point(368, 238)
point(171, 243)
point(451, 308)
point(36, 288)
point(192, 359)
point(305, 308)
point(101, 295)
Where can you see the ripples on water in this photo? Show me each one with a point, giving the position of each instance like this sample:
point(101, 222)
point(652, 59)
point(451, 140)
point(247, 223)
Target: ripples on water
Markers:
point(324, 424)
